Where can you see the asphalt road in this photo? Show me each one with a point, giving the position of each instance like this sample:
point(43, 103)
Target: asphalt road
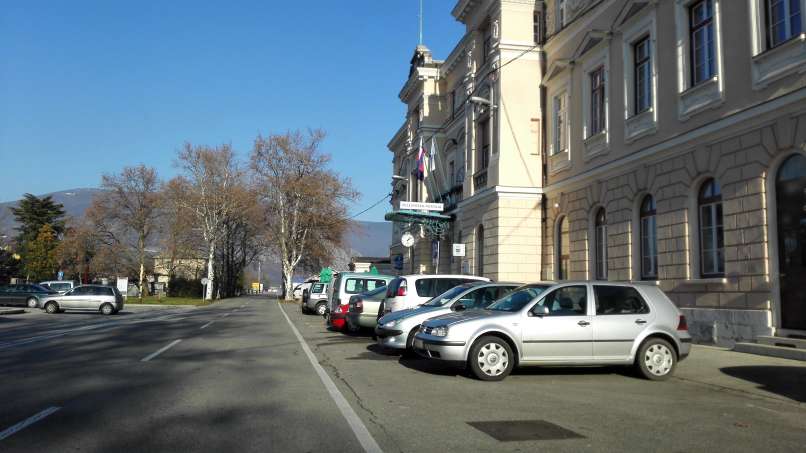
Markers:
point(240, 380)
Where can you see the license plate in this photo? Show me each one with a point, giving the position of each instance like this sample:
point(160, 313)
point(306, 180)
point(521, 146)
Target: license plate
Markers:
point(418, 344)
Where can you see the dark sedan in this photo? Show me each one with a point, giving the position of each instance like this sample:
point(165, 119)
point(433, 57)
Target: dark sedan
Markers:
point(26, 294)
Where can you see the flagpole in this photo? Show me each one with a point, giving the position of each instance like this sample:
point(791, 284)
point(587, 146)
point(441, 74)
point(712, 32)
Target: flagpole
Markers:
point(420, 41)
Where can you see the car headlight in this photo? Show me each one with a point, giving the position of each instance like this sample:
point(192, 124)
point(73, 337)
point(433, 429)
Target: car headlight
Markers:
point(389, 325)
point(441, 331)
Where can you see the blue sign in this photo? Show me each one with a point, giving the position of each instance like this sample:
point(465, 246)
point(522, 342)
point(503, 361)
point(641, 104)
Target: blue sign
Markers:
point(398, 261)
point(61, 275)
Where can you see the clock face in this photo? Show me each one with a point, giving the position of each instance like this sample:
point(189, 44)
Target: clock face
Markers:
point(407, 240)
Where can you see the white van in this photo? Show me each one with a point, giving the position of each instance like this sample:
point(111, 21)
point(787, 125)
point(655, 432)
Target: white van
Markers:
point(409, 291)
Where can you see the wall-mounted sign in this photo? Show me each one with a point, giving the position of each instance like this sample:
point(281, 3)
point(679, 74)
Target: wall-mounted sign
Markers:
point(458, 250)
point(418, 206)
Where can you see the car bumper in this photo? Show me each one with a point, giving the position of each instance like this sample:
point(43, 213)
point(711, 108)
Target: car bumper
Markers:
point(685, 348)
point(439, 348)
point(390, 338)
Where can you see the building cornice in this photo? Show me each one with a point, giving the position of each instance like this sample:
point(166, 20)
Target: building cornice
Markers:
point(398, 138)
point(510, 192)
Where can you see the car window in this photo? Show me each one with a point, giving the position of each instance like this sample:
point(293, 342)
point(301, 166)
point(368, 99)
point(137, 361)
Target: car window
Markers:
point(60, 286)
point(104, 291)
point(425, 287)
point(445, 297)
point(619, 300)
point(317, 287)
point(566, 301)
point(517, 299)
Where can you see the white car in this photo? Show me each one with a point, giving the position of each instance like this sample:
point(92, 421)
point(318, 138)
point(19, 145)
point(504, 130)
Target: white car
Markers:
point(60, 286)
point(409, 291)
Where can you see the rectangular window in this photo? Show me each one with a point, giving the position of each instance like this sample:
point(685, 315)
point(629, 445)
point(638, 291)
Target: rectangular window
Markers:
point(484, 144)
point(601, 252)
point(649, 252)
point(560, 15)
point(643, 75)
point(712, 240)
point(453, 104)
point(537, 24)
point(619, 300)
point(560, 124)
point(701, 40)
point(783, 21)
point(597, 114)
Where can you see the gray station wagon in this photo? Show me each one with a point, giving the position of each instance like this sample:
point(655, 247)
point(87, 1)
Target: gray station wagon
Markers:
point(106, 299)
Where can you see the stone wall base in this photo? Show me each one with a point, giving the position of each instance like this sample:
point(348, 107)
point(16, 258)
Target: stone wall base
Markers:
point(727, 327)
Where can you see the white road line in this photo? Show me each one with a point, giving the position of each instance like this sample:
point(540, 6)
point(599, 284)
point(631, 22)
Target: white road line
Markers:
point(161, 350)
point(27, 422)
point(226, 314)
point(359, 429)
point(205, 326)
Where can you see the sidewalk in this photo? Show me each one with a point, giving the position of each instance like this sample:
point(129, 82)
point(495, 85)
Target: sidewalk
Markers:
point(767, 377)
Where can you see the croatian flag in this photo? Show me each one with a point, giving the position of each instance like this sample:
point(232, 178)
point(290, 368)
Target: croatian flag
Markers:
point(421, 161)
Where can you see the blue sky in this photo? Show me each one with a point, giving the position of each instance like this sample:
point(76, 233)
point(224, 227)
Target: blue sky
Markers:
point(89, 87)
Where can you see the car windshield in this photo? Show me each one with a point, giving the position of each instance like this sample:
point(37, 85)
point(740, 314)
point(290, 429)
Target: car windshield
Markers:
point(445, 297)
point(38, 288)
point(517, 299)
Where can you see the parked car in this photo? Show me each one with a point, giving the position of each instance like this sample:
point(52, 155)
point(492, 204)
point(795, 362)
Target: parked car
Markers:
point(60, 286)
point(345, 285)
point(297, 291)
point(363, 309)
point(410, 291)
point(396, 330)
point(315, 300)
point(26, 294)
point(106, 299)
point(573, 323)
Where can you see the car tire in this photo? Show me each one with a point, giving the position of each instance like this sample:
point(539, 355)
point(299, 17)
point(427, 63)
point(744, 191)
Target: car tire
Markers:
point(321, 308)
point(491, 358)
point(51, 308)
point(107, 309)
point(32, 302)
point(656, 359)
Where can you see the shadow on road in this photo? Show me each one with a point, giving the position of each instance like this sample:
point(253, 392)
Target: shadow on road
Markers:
point(787, 381)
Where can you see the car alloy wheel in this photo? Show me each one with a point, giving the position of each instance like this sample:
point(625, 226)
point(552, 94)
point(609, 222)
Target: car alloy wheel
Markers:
point(51, 308)
point(656, 359)
point(320, 309)
point(32, 303)
point(107, 309)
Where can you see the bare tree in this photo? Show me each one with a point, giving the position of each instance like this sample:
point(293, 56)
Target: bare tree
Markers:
point(211, 188)
point(127, 210)
point(305, 201)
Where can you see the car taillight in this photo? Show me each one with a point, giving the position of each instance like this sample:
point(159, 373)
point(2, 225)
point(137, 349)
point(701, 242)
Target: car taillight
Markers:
point(359, 305)
point(401, 290)
point(682, 324)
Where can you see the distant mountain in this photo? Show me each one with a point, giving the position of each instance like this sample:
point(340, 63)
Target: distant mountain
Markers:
point(365, 239)
point(75, 201)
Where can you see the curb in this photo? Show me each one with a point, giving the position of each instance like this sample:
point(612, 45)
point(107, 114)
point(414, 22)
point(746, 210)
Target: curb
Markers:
point(12, 311)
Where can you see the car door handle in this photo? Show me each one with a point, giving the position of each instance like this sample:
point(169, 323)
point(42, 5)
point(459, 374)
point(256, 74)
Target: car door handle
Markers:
point(640, 321)
point(584, 323)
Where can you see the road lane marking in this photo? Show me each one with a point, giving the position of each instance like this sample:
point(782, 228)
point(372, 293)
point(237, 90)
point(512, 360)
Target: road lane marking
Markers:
point(359, 429)
point(226, 314)
point(27, 422)
point(205, 326)
point(161, 350)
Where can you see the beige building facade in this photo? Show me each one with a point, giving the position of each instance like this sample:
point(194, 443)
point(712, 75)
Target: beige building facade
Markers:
point(479, 110)
point(655, 140)
point(676, 134)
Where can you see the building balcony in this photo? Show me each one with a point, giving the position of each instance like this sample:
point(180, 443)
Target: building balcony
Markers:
point(452, 197)
point(480, 179)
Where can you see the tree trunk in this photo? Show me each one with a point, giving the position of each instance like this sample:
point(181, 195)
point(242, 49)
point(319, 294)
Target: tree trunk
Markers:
point(288, 276)
point(210, 272)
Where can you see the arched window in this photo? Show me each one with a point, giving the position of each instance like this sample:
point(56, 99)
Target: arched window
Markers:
point(563, 247)
point(712, 237)
point(600, 244)
point(649, 239)
point(480, 251)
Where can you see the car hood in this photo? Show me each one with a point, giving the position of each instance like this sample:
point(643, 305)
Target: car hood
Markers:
point(464, 316)
point(410, 312)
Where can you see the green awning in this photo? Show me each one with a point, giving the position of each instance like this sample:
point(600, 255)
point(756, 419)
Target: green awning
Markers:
point(416, 217)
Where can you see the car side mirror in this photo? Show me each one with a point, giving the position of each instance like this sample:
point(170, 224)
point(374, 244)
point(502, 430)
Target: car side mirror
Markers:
point(539, 311)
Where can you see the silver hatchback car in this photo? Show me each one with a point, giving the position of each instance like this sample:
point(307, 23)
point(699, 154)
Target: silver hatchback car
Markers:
point(573, 323)
point(106, 299)
point(396, 330)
